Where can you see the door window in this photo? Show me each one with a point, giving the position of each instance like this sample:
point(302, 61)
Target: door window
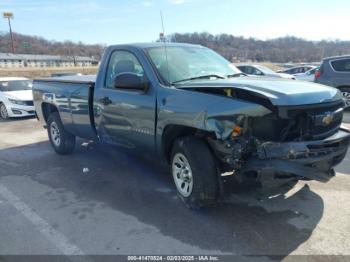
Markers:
point(253, 71)
point(342, 65)
point(122, 62)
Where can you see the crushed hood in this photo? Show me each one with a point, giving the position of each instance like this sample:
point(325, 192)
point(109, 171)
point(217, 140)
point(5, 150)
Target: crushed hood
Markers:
point(280, 92)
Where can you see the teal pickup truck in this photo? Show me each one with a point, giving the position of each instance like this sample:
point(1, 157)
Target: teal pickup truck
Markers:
point(199, 113)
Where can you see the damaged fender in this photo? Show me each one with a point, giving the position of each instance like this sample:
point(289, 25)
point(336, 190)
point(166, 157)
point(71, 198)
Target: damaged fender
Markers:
point(211, 113)
point(223, 122)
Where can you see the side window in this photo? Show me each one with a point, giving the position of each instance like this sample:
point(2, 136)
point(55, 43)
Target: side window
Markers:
point(307, 68)
point(122, 62)
point(312, 72)
point(342, 65)
point(243, 69)
point(249, 70)
point(256, 71)
point(296, 70)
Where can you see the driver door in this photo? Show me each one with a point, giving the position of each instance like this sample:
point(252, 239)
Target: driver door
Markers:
point(127, 116)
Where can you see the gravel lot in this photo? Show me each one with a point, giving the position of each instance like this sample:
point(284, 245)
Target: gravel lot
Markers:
point(128, 205)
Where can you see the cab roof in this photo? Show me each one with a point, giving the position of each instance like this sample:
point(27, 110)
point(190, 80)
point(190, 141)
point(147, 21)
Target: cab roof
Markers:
point(156, 44)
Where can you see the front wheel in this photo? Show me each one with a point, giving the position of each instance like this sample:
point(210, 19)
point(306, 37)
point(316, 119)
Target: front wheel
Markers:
point(346, 94)
point(62, 141)
point(194, 172)
point(3, 112)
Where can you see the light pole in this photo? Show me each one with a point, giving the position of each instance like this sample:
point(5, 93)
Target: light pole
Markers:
point(9, 16)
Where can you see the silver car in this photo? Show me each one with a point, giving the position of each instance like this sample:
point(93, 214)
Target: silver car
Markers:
point(308, 75)
point(259, 70)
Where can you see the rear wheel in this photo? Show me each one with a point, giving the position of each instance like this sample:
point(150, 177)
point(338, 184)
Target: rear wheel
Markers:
point(62, 141)
point(346, 94)
point(194, 172)
point(3, 112)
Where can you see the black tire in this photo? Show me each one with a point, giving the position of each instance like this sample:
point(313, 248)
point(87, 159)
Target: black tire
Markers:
point(3, 112)
point(66, 142)
point(205, 186)
point(346, 94)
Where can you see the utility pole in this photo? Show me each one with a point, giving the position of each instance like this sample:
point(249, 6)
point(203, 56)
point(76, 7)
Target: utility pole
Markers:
point(9, 16)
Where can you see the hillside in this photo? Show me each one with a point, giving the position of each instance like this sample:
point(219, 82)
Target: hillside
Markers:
point(26, 44)
point(279, 50)
point(284, 49)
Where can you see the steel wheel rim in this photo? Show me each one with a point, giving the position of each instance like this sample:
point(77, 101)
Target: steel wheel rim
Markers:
point(3, 111)
point(346, 95)
point(182, 174)
point(55, 134)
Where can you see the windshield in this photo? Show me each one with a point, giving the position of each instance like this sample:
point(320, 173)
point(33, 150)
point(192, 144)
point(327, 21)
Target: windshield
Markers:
point(265, 69)
point(15, 85)
point(186, 62)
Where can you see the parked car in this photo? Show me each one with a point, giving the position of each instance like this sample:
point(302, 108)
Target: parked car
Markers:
point(259, 70)
point(335, 72)
point(65, 74)
point(308, 75)
point(16, 98)
point(297, 69)
point(192, 109)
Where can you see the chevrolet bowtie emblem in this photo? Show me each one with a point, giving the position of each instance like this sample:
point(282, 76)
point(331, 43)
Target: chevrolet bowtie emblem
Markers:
point(327, 119)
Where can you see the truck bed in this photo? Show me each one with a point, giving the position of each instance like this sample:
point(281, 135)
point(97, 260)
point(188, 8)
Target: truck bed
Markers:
point(75, 79)
point(73, 96)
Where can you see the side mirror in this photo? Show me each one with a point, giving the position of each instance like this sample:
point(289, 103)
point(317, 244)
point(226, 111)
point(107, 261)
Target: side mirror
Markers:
point(130, 81)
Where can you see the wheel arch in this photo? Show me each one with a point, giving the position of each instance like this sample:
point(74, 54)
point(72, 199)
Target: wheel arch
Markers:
point(343, 86)
point(47, 109)
point(173, 131)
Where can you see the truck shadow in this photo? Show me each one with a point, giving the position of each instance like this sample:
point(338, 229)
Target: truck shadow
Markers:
point(241, 224)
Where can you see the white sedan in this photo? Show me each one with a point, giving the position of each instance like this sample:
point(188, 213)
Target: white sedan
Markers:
point(308, 75)
point(16, 98)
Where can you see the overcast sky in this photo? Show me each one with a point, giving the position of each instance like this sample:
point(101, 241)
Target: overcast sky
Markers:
point(123, 21)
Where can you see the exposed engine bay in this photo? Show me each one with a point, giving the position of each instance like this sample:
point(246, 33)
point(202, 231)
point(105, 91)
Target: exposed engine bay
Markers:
point(305, 140)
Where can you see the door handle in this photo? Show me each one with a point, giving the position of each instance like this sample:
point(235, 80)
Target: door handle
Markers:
point(106, 101)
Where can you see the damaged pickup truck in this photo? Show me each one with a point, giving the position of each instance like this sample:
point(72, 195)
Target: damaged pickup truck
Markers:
point(190, 106)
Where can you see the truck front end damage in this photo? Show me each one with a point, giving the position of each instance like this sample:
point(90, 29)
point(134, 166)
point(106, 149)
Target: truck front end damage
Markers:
point(301, 142)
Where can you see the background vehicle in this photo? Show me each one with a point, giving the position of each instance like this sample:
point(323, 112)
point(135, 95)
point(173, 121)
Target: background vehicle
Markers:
point(297, 69)
point(192, 108)
point(65, 74)
point(259, 70)
point(308, 75)
point(335, 72)
point(16, 98)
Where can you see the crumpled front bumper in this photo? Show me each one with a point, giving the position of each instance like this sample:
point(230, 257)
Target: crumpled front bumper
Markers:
point(306, 159)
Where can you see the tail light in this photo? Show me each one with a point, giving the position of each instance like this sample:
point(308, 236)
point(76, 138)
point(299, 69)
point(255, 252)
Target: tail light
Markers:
point(317, 74)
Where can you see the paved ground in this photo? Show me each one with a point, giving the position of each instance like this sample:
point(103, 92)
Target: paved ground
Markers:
point(124, 205)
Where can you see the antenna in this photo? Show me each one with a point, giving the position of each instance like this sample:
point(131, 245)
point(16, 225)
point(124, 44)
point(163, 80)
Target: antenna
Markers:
point(165, 48)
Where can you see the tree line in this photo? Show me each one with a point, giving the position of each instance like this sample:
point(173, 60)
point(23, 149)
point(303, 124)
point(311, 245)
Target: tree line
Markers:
point(25, 44)
point(234, 48)
point(281, 50)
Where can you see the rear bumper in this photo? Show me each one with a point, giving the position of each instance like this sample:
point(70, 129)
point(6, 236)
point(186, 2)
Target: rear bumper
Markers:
point(307, 159)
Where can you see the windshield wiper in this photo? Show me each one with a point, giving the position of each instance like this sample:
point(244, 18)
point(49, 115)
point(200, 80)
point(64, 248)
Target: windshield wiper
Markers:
point(199, 77)
point(237, 74)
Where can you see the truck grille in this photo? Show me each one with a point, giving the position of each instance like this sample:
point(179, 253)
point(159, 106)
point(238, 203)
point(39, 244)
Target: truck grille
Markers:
point(299, 123)
point(317, 122)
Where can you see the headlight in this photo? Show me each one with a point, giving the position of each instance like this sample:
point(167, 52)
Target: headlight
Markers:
point(17, 102)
